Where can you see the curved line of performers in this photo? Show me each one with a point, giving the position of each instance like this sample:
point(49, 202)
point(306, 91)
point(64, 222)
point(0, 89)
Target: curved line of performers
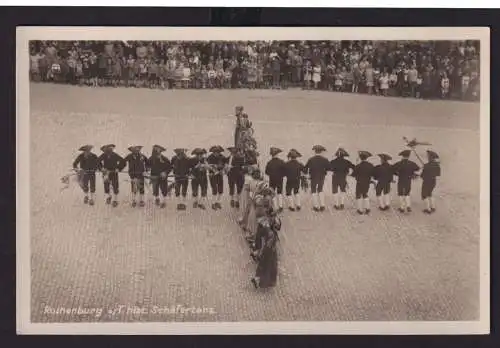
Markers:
point(202, 170)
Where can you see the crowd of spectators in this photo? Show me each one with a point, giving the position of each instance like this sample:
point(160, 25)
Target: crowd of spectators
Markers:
point(418, 69)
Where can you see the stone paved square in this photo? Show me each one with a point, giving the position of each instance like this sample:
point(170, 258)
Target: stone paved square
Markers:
point(335, 266)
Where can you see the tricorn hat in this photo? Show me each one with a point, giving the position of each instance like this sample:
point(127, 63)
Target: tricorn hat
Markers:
point(158, 148)
point(108, 146)
point(385, 157)
point(341, 152)
point(274, 151)
point(198, 151)
point(364, 154)
point(135, 148)
point(85, 148)
point(293, 154)
point(405, 153)
point(319, 148)
point(217, 148)
point(179, 151)
point(432, 155)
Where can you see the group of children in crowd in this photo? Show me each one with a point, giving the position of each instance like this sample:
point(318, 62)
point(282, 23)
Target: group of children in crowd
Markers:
point(416, 69)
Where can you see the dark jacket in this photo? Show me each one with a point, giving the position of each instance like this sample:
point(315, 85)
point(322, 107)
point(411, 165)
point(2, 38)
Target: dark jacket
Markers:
point(137, 163)
point(181, 166)
point(383, 173)
point(363, 172)
point(275, 169)
point(317, 166)
point(430, 171)
point(293, 170)
point(111, 161)
point(236, 162)
point(218, 161)
point(405, 169)
point(159, 165)
point(341, 166)
point(88, 163)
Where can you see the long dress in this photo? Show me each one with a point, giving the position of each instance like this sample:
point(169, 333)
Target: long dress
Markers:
point(245, 199)
point(266, 242)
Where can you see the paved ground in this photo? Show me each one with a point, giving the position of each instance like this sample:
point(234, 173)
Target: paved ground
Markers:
point(334, 266)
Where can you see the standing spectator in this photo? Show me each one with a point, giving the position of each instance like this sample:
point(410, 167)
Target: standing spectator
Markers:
point(316, 75)
point(79, 72)
point(35, 66)
point(357, 78)
point(298, 64)
point(338, 81)
point(330, 76)
point(153, 71)
point(418, 93)
point(94, 69)
point(129, 70)
point(103, 69)
point(445, 86)
point(348, 79)
point(369, 78)
point(276, 69)
point(252, 74)
point(308, 71)
point(384, 83)
point(412, 79)
point(186, 76)
point(212, 75)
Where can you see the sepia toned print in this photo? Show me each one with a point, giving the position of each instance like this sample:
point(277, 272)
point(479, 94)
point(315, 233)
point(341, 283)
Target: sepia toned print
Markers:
point(221, 181)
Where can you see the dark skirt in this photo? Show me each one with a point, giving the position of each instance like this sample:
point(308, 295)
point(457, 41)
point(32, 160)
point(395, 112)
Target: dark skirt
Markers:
point(267, 269)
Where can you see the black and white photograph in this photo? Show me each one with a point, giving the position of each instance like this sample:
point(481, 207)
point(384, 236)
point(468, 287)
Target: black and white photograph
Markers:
point(253, 180)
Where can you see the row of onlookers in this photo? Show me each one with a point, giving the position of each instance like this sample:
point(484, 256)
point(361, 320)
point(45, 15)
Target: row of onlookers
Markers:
point(360, 67)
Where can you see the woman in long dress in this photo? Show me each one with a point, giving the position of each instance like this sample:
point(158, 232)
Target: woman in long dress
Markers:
point(266, 254)
point(246, 199)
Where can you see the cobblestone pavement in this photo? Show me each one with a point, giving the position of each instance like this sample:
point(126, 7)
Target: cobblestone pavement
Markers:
point(333, 266)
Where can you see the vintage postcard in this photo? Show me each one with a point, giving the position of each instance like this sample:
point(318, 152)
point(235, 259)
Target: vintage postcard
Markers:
point(253, 180)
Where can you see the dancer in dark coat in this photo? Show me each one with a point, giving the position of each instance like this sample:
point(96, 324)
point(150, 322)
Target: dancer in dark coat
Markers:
point(363, 173)
point(430, 172)
point(88, 164)
point(160, 168)
point(317, 167)
point(110, 164)
point(274, 170)
point(340, 167)
point(406, 170)
point(383, 174)
point(137, 166)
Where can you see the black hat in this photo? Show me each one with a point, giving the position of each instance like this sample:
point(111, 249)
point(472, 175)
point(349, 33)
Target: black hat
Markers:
point(274, 151)
point(256, 173)
point(239, 107)
point(217, 148)
point(432, 155)
point(85, 148)
point(158, 148)
point(293, 154)
point(318, 148)
point(108, 146)
point(179, 151)
point(405, 153)
point(135, 148)
point(198, 151)
point(341, 153)
point(385, 157)
point(364, 154)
